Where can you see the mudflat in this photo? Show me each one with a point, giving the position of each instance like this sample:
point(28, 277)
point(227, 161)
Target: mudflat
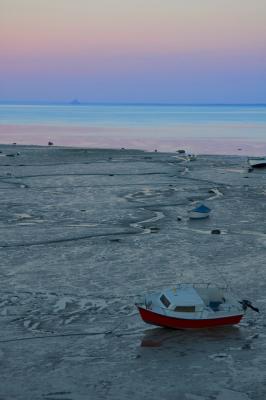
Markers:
point(85, 233)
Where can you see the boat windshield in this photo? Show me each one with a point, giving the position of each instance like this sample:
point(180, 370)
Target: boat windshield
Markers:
point(165, 301)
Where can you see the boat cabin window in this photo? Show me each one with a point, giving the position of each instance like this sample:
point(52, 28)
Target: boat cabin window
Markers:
point(185, 308)
point(165, 301)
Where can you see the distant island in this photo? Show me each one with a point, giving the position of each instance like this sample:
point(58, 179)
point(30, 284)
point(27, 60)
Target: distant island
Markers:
point(75, 102)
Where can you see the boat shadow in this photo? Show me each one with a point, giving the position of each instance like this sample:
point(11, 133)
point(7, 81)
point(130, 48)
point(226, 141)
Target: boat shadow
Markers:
point(158, 337)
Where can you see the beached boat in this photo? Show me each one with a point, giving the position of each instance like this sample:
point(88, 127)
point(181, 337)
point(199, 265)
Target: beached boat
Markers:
point(192, 306)
point(191, 157)
point(257, 162)
point(199, 212)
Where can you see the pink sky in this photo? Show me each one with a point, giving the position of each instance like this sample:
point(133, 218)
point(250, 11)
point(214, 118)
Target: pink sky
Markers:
point(124, 50)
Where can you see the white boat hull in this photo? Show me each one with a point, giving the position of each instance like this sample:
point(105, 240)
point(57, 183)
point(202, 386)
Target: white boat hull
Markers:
point(257, 162)
point(197, 215)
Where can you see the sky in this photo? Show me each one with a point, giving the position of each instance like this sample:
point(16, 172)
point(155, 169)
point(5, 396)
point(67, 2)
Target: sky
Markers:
point(144, 51)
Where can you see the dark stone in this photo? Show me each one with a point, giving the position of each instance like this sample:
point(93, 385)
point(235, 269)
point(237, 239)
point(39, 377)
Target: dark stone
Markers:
point(216, 231)
point(246, 346)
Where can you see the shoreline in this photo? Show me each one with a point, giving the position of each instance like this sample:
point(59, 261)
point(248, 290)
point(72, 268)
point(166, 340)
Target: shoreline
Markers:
point(146, 149)
point(193, 139)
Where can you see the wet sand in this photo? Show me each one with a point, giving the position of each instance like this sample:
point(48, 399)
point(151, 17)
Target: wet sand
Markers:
point(233, 139)
point(78, 250)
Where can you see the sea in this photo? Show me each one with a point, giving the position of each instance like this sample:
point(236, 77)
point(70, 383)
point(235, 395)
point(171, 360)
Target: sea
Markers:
point(205, 129)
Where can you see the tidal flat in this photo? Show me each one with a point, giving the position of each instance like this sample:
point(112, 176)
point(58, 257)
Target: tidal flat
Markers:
point(85, 233)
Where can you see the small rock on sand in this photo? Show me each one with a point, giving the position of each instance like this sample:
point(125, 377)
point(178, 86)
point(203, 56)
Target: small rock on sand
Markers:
point(216, 231)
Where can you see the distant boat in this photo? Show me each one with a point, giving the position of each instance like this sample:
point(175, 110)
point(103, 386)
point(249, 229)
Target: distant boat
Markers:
point(199, 212)
point(193, 306)
point(191, 157)
point(257, 162)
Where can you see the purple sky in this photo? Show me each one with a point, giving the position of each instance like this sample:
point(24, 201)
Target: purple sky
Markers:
point(141, 51)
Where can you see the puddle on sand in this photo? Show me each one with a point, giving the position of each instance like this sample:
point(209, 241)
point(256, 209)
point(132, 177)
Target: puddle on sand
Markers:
point(238, 170)
point(23, 216)
point(203, 232)
point(159, 215)
point(82, 225)
point(221, 357)
point(216, 193)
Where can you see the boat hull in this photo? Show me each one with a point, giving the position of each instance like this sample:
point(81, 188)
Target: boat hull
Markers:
point(260, 165)
point(257, 163)
point(198, 215)
point(153, 318)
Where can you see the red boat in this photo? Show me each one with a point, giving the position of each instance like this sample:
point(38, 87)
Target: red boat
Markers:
point(192, 306)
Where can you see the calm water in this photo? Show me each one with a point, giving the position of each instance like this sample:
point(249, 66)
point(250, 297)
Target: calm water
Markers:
point(212, 129)
point(131, 116)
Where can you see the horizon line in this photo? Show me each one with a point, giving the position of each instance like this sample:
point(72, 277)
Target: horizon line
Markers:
point(77, 103)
